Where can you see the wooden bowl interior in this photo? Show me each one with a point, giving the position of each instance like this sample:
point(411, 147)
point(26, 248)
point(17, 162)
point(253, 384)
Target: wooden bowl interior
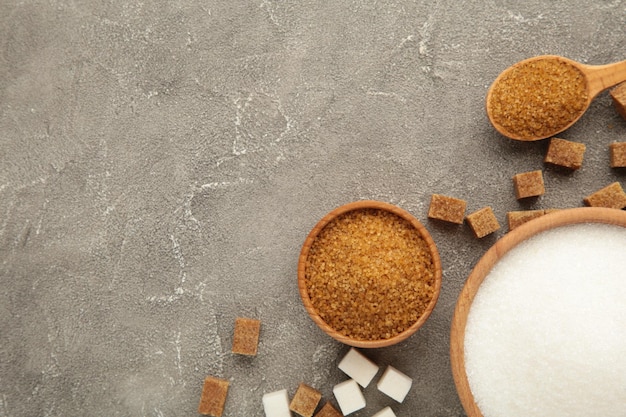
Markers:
point(358, 205)
point(484, 266)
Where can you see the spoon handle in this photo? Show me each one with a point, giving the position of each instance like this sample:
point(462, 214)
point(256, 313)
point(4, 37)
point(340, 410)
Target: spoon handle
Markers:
point(601, 77)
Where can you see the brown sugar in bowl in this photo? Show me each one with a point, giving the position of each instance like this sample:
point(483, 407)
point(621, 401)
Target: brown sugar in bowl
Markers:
point(369, 274)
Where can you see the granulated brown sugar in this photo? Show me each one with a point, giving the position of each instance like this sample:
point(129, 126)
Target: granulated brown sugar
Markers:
point(370, 274)
point(539, 98)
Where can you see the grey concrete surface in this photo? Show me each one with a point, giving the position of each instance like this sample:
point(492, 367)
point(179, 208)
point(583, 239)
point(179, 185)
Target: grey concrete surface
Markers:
point(162, 162)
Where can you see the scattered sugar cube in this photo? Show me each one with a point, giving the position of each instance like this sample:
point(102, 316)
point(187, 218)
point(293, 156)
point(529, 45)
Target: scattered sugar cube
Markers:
point(565, 153)
point(528, 184)
point(246, 338)
point(385, 412)
point(276, 404)
point(213, 397)
point(611, 196)
point(305, 400)
point(328, 411)
point(518, 218)
point(446, 208)
point(619, 98)
point(618, 154)
point(358, 367)
point(394, 384)
point(483, 222)
point(349, 396)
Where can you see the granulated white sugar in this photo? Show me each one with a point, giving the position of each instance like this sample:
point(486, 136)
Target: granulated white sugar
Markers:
point(546, 332)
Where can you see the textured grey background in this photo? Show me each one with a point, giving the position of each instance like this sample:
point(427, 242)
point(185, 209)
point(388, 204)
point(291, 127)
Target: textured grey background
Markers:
point(162, 162)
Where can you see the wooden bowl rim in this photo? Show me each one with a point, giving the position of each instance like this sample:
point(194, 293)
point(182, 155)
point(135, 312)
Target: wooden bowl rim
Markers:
point(480, 271)
point(304, 295)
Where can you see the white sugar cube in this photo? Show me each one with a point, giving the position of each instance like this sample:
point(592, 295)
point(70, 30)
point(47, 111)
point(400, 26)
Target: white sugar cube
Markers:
point(276, 404)
point(358, 367)
point(385, 412)
point(349, 396)
point(394, 383)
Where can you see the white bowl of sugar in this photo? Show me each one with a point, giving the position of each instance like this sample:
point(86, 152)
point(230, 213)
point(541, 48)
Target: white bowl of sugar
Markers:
point(539, 328)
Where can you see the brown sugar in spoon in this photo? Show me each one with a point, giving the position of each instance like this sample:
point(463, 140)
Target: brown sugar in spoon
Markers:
point(542, 96)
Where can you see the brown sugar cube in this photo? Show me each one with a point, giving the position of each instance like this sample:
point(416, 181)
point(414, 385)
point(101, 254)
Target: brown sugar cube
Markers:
point(518, 218)
point(483, 222)
point(448, 209)
point(528, 184)
point(328, 411)
point(213, 396)
point(619, 99)
point(611, 196)
point(305, 400)
point(565, 153)
point(246, 338)
point(618, 154)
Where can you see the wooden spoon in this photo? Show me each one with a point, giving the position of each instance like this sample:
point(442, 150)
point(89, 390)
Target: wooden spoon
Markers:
point(519, 93)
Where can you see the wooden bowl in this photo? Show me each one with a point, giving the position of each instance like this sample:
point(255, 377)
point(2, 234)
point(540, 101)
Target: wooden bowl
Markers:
point(359, 205)
point(485, 265)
